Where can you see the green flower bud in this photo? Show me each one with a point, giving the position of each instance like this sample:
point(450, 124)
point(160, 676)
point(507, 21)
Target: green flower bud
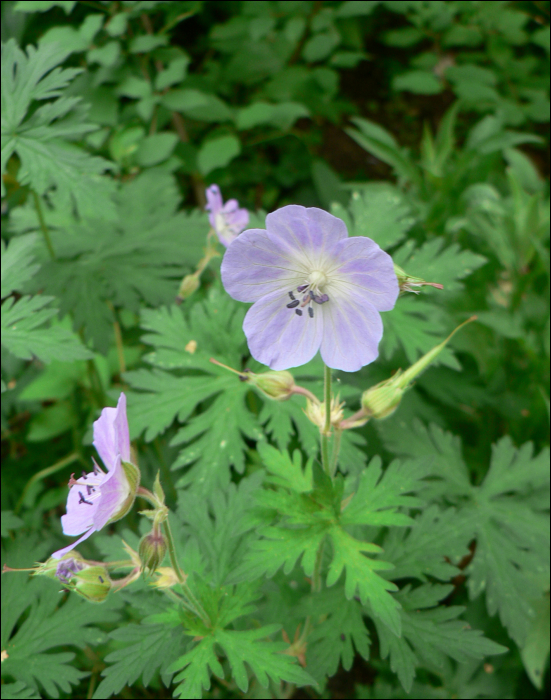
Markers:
point(152, 550)
point(189, 284)
point(406, 281)
point(275, 385)
point(92, 583)
point(381, 400)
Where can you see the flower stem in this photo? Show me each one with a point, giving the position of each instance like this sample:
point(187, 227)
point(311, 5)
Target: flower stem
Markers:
point(326, 432)
point(190, 600)
point(44, 473)
point(43, 225)
point(335, 452)
point(316, 587)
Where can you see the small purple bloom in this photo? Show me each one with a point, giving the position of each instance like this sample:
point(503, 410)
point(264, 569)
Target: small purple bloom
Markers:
point(67, 567)
point(305, 262)
point(226, 219)
point(98, 498)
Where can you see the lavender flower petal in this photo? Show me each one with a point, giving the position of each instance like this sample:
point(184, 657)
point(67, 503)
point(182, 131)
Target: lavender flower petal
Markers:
point(365, 268)
point(61, 552)
point(114, 493)
point(256, 265)
point(111, 436)
point(352, 332)
point(277, 336)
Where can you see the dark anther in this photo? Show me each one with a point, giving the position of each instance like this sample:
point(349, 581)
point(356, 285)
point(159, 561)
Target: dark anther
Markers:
point(292, 304)
point(100, 579)
point(302, 287)
point(83, 500)
point(310, 312)
point(298, 312)
point(89, 489)
point(292, 295)
point(83, 475)
point(96, 470)
point(343, 638)
point(320, 299)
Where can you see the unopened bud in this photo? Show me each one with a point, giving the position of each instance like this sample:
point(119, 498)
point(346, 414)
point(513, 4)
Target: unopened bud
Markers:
point(406, 281)
point(92, 583)
point(152, 550)
point(189, 284)
point(383, 399)
point(275, 385)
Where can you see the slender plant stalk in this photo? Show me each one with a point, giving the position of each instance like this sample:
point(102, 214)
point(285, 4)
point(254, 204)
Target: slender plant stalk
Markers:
point(316, 587)
point(43, 225)
point(44, 473)
point(326, 432)
point(335, 452)
point(191, 601)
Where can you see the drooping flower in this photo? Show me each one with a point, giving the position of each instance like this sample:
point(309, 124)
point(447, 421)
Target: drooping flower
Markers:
point(98, 498)
point(226, 219)
point(313, 289)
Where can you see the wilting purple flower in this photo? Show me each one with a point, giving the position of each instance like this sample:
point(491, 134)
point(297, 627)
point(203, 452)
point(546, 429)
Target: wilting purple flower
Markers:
point(226, 219)
point(98, 498)
point(313, 287)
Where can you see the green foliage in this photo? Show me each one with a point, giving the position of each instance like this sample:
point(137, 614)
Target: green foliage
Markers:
point(42, 139)
point(422, 126)
point(25, 328)
point(36, 621)
point(263, 657)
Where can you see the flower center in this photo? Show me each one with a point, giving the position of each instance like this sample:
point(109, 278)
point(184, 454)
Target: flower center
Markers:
point(317, 279)
point(221, 224)
point(311, 293)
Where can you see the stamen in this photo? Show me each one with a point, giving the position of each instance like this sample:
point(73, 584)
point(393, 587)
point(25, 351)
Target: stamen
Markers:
point(320, 299)
point(83, 474)
point(83, 500)
point(298, 312)
point(96, 468)
point(292, 304)
point(292, 295)
point(100, 579)
point(310, 312)
point(90, 489)
point(302, 287)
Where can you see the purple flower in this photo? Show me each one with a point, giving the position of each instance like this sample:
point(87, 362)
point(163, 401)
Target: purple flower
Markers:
point(98, 498)
point(67, 567)
point(313, 289)
point(226, 219)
